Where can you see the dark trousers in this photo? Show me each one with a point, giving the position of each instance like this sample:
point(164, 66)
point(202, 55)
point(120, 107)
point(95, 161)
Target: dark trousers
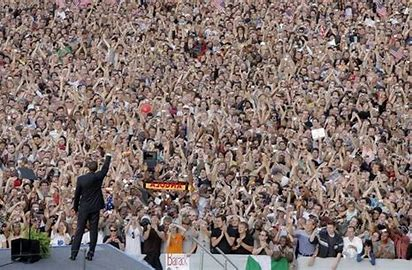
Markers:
point(82, 219)
point(154, 260)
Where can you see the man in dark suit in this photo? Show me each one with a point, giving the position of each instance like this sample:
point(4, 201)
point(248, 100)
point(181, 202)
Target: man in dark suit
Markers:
point(88, 200)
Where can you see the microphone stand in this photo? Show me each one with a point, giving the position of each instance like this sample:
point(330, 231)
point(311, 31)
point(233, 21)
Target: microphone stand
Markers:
point(30, 216)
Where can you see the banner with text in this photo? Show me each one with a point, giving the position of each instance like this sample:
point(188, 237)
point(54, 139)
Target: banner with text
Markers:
point(178, 186)
point(177, 262)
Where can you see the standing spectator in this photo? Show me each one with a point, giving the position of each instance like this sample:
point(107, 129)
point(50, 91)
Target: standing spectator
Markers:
point(304, 246)
point(283, 250)
point(330, 243)
point(203, 235)
point(352, 245)
point(262, 247)
point(367, 252)
point(244, 242)
point(189, 246)
point(114, 238)
point(134, 237)
point(152, 243)
point(221, 237)
point(385, 248)
point(174, 243)
point(59, 235)
point(3, 237)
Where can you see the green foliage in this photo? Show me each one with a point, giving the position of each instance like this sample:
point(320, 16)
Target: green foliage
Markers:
point(43, 238)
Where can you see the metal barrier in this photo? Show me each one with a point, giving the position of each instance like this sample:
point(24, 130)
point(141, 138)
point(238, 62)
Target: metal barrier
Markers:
point(208, 252)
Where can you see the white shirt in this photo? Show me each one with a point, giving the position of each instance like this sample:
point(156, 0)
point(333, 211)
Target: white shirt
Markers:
point(3, 241)
point(58, 240)
point(351, 252)
point(133, 244)
point(86, 238)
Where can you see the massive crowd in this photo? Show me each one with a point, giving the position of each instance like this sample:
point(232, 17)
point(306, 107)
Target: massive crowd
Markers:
point(290, 121)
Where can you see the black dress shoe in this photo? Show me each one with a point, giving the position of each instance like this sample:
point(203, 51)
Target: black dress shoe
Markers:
point(72, 257)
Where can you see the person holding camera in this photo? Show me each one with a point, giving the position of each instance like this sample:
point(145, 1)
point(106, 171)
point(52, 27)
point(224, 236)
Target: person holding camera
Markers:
point(152, 241)
point(133, 232)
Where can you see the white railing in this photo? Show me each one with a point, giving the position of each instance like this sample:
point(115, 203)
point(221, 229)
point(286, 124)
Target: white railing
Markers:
point(214, 262)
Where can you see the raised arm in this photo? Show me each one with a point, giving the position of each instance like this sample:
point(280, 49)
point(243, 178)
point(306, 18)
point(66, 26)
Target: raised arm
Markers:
point(105, 169)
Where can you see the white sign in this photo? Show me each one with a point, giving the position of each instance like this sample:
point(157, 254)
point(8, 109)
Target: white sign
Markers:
point(177, 262)
point(318, 133)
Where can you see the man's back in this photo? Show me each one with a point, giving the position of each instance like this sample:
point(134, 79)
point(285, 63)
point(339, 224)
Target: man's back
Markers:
point(89, 197)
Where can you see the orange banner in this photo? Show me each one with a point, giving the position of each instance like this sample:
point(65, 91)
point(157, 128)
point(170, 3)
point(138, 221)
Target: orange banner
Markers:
point(178, 186)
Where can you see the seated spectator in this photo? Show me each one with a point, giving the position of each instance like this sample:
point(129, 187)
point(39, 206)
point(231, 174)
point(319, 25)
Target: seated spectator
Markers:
point(367, 252)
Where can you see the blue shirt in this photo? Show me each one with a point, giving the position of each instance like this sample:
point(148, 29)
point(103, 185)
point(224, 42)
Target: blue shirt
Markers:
point(304, 246)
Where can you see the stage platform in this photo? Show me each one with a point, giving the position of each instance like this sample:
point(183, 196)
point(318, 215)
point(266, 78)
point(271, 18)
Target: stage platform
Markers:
point(106, 257)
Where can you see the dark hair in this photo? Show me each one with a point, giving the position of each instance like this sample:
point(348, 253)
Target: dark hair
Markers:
point(330, 222)
point(368, 243)
point(222, 217)
point(354, 229)
point(92, 165)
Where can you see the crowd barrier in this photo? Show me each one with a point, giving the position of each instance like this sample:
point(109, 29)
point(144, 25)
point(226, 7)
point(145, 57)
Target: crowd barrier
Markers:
point(195, 262)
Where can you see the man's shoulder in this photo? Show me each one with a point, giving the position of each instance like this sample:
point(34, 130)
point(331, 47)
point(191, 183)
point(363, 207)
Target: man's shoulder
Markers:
point(216, 231)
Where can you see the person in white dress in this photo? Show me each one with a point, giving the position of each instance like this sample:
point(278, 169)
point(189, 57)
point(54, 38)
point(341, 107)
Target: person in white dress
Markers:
point(133, 232)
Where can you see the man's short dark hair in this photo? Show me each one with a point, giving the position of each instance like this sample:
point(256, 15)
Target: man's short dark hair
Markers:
point(330, 222)
point(92, 165)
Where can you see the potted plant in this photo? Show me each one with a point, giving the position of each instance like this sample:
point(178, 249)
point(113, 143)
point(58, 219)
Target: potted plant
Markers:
point(43, 239)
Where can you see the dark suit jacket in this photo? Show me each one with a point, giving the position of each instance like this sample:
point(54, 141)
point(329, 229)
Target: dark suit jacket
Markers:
point(88, 196)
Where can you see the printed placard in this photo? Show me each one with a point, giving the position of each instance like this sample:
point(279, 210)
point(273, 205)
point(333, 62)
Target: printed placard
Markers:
point(178, 186)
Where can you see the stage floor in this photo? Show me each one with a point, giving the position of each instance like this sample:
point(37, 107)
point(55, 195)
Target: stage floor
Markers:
point(106, 257)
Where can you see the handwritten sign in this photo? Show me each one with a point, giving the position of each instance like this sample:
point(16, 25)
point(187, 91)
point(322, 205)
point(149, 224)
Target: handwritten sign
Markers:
point(318, 133)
